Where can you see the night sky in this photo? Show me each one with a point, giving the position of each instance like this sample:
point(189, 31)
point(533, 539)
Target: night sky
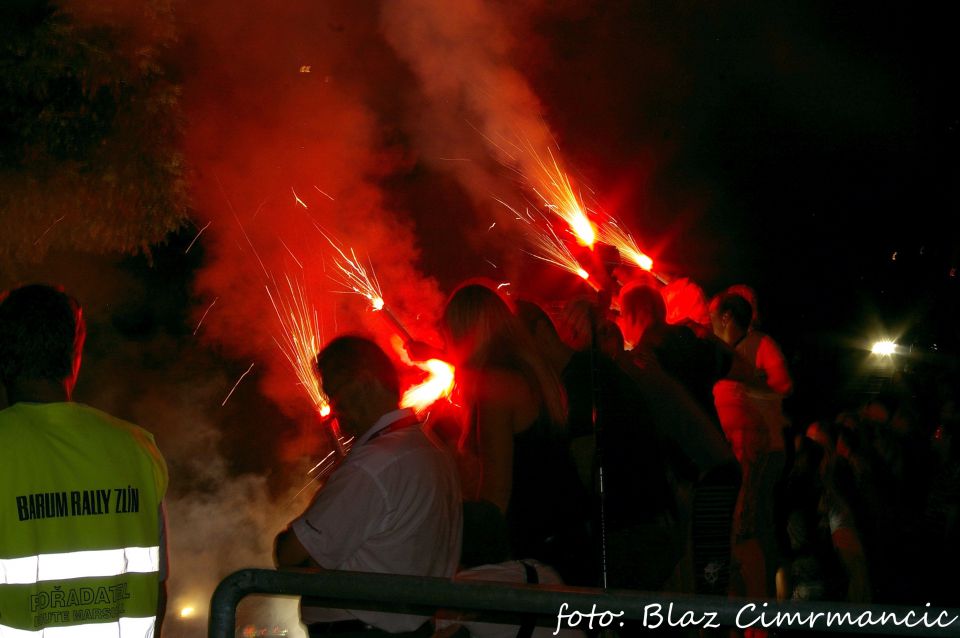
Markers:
point(809, 149)
point(796, 147)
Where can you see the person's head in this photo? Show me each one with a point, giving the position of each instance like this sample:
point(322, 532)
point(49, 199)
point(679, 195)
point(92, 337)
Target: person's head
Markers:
point(41, 339)
point(544, 333)
point(481, 330)
point(360, 381)
point(730, 316)
point(641, 307)
point(823, 434)
point(748, 293)
point(476, 319)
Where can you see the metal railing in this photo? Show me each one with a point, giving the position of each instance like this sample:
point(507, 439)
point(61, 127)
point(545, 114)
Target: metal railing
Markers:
point(356, 590)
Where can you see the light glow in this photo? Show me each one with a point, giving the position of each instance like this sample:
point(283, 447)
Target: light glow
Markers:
point(614, 234)
point(552, 185)
point(353, 276)
point(546, 245)
point(438, 385)
point(187, 612)
point(884, 348)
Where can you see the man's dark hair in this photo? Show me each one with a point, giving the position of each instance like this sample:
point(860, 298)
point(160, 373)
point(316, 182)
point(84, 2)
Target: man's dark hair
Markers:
point(41, 330)
point(352, 355)
point(738, 307)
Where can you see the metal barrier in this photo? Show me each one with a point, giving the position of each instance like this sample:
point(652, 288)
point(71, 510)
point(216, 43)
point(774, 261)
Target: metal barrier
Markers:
point(356, 590)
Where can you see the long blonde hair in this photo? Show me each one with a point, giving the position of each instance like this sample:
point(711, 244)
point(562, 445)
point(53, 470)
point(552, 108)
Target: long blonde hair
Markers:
point(481, 325)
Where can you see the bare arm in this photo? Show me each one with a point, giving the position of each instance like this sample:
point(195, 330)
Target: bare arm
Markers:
point(774, 366)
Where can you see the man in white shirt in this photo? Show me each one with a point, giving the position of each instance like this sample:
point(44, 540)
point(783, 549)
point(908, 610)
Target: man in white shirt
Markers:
point(393, 505)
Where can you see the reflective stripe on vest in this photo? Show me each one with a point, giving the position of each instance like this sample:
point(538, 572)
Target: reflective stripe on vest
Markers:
point(80, 497)
point(105, 562)
point(124, 628)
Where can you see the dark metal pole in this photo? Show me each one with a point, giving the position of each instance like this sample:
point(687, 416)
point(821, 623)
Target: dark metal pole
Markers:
point(599, 422)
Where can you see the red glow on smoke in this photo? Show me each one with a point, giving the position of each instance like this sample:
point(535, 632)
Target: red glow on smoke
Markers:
point(279, 153)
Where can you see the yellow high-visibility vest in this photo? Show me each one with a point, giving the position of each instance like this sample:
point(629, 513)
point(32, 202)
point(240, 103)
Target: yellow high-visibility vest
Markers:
point(80, 493)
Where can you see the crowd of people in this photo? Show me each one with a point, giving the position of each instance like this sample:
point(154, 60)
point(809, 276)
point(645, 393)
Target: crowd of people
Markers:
point(638, 444)
point(707, 487)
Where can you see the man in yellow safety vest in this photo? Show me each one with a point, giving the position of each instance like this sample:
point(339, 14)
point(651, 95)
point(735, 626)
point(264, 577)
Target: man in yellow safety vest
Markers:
point(81, 523)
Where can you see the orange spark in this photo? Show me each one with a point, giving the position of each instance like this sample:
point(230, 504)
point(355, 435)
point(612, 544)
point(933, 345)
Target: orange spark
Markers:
point(618, 237)
point(301, 339)
point(324, 193)
point(553, 187)
point(354, 276)
point(547, 246)
point(197, 237)
point(206, 312)
point(233, 389)
point(296, 198)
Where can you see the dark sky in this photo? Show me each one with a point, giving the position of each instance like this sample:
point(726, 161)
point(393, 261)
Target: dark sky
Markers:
point(794, 146)
point(808, 141)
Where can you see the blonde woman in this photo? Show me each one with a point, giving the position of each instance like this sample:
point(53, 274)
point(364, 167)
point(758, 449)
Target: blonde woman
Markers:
point(515, 430)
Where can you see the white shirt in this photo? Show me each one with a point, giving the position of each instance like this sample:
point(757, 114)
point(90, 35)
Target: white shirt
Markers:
point(393, 507)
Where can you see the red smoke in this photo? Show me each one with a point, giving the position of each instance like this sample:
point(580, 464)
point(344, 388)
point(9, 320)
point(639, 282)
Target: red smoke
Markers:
point(283, 141)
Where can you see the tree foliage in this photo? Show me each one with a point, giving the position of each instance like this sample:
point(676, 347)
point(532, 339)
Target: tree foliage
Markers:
point(89, 131)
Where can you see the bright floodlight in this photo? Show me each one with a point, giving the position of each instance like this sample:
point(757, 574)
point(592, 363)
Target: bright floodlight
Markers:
point(186, 612)
point(884, 348)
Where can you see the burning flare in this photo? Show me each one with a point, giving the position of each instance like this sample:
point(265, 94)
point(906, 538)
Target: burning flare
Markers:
point(355, 278)
point(614, 234)
point(547, 246)
point(438, 385)
point(552, 185)
point(301, 342)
